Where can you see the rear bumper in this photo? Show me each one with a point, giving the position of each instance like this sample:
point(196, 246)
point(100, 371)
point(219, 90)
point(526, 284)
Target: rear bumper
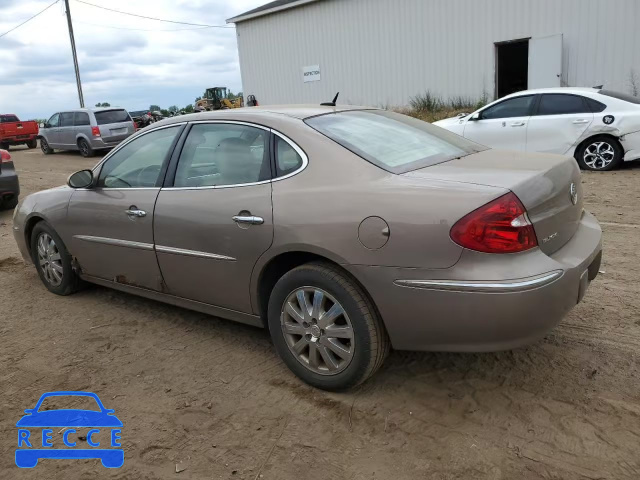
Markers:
point(19, 139)
point(485, 302)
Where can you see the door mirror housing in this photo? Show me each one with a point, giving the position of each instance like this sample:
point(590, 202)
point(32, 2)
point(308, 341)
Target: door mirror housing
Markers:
point(81, 179)
point(42, 125)
point(475, 117)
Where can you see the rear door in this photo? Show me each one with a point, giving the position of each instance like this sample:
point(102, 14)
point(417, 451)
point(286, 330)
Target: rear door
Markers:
point(558, 122)
point(503, 124)
point(215, 219)
point(112, 222)
point(66, 131)
point(115, 125)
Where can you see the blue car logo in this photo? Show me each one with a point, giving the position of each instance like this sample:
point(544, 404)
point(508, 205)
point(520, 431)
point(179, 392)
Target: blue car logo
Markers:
point(31, 447)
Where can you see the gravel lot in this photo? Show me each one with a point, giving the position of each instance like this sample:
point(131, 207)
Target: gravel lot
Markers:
point(210, 399)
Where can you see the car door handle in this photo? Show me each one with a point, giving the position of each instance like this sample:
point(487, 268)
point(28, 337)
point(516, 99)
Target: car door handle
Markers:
point(248, 219)
point(134, 212)
point(580, 121)
point(518, 124)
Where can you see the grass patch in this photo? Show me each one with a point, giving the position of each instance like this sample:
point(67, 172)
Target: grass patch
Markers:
point(431, 108)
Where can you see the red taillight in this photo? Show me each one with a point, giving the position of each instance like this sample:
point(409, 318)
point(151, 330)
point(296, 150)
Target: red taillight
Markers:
point(135, 127)
point(5, 156)
point(500, 226)
point(95, 131)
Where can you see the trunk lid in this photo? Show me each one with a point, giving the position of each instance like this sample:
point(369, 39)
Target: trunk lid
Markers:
point(542, 182)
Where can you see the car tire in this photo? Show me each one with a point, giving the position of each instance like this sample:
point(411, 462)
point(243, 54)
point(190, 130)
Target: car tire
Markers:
point(53, 261)
point(600, 153)
point(44, 146)
point(309, 348)
point(9, 204)
point(5, 146)
point(85, 149)
point(32, 143)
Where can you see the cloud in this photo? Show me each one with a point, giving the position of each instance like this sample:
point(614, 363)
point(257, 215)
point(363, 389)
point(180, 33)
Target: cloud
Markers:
point(129, 68)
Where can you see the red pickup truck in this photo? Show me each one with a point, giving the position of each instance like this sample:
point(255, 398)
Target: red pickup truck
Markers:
point(15, 132)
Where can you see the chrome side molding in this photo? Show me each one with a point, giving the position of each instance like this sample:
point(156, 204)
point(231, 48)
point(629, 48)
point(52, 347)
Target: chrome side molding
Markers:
point(193, 253)
point(506, 286)
point(115, 241)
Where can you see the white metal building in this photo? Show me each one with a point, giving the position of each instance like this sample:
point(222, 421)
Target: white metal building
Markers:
point(383, 52)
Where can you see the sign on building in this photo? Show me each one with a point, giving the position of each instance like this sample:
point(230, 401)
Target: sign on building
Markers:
point(311, 73)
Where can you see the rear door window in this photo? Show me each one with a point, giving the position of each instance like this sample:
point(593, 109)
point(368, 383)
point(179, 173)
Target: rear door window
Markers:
point(106, 117)
point(594, 105)
point(66, 119)
point(561, 104)
point(81, 119)
point(288, 160)
point(218, 154)
point(513, 107)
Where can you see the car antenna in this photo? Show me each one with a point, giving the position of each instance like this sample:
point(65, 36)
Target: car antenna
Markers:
point(331, 103)
point(599, 87)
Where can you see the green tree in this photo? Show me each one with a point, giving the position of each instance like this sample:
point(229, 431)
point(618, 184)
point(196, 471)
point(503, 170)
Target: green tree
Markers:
point(103, 104)
point(154, 108)
point(173, 108)
point(188, 108)
point(165, 113)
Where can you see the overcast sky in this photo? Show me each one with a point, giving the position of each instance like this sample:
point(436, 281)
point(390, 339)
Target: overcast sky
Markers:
point(128, 68)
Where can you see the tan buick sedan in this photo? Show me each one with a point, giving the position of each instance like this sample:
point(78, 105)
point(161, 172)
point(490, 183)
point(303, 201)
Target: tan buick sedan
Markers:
point(343, 230)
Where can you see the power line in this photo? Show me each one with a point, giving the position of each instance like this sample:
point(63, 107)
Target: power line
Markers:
point(142, 29)
point(29, 19)
point(154, 18)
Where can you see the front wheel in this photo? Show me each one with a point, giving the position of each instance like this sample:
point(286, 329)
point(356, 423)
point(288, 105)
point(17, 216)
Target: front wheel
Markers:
point(52, 261)
point(44, 146)
point(600, 153)
point(324, 327)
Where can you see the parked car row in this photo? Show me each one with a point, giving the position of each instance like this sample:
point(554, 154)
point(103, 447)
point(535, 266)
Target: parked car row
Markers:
point(600, 128)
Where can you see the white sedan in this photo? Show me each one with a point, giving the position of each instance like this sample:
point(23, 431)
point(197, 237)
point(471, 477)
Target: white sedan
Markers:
point(600, 128)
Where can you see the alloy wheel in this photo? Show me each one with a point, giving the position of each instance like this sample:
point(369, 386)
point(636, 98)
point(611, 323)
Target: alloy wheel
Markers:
point(84, 148)
point(599, 155)
point(317, 330)
point(50, 260)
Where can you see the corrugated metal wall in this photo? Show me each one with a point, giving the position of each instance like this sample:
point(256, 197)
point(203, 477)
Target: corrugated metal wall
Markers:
point(383, 52)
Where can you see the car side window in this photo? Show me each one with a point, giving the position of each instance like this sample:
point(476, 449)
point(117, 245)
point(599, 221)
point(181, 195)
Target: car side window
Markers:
point(217, 154)
point(54, 120)
point(561, 104)
point(66, 119)
point(513, 107)
point(287, 159)
point(594, 105)
point(81, 119)
point(138, 164)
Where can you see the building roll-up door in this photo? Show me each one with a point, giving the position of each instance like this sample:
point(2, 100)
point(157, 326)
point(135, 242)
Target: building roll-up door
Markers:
point(545, 62)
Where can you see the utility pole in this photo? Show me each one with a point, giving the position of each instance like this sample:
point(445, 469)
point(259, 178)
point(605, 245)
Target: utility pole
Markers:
point(75, 56)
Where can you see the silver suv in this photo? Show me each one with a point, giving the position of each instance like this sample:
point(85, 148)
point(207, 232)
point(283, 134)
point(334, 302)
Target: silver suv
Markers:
point(86, 130)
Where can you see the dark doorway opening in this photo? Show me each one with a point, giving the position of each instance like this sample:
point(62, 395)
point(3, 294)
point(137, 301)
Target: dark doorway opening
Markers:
point(512, 67)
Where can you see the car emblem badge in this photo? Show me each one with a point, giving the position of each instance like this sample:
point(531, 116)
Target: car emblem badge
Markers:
point(573, 193)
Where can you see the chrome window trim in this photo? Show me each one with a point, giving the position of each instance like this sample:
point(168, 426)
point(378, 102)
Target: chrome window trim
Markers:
point(129, 140)
point(117, 189)
point(115, 242)
point(505, 286)
point(193, 253)
point(299, 151)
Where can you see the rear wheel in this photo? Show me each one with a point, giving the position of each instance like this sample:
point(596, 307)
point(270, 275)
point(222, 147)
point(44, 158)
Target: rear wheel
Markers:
point(52, 261)
point(324, 328)
point(9, 204)
point(600, 153)
point(32, 143)
point(85, 148)
point(44, 145)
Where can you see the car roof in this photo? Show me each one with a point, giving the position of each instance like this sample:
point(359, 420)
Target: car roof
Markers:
point(269, 111)
point(575, 90)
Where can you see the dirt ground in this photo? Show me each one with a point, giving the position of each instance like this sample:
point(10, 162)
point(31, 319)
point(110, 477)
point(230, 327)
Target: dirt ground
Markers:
point(210, 399)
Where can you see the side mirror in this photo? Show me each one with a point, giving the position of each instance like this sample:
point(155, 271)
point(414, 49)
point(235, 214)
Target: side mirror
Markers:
point(81, 179)
point(42, 125)
point(475, 117)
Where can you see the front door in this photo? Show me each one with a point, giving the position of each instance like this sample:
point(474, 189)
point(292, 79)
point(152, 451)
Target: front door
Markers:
point(503, 124)
point(112, 222)
point(51, 130)
point(66, 132)
point(559, 121)
point(215, 221)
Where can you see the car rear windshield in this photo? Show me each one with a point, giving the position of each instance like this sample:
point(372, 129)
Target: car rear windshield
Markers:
point(112, 116)
point(8, 118)
point(393, 142)
point(620, 96)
